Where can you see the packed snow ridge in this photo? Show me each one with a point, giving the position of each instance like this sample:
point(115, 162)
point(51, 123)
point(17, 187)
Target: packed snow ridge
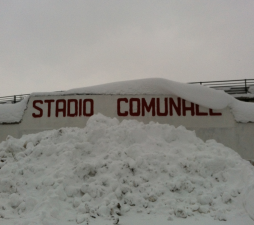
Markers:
point(13, 113)
point(201, 95)
point(110, 169)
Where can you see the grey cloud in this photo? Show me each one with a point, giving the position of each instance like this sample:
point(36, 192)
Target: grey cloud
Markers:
point(56, 45)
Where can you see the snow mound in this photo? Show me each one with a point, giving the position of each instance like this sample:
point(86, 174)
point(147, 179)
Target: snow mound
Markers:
point(110, 169)
point(13, 113)
point(251, 89)
point(242, 111)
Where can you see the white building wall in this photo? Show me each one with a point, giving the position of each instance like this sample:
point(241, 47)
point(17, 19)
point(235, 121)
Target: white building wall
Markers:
point(52, 112)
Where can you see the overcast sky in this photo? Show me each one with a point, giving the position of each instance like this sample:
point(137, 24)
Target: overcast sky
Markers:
point(53, 45)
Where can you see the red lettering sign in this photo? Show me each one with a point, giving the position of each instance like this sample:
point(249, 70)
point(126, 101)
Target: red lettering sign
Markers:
point(125, 107)
point(119, 113)
point(198, 113)
point(37, 108)
point(176, 107)
point(214, 113)
point(85, 113)
point(170, 107)
point(190, 108)
point(148, 108)
point(75, 113)
point(132, 101)
point(49, 106)
point(165, 107)
point(62, 107)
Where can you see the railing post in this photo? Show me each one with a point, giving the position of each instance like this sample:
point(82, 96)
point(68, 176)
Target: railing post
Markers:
point(14, 98)
point(246, 88)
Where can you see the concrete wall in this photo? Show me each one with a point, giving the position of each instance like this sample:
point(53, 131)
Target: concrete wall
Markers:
point(53, 112)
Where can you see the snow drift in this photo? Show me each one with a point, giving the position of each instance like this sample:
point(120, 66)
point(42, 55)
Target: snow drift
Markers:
point(110, 169)
point(13, 113)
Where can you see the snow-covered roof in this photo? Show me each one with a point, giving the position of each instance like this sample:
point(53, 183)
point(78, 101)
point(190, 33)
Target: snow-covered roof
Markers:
point(204, 96)
point(198, 94)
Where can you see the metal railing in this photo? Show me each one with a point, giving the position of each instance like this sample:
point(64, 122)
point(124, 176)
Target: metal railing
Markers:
point(12, 99)
point(232, 87)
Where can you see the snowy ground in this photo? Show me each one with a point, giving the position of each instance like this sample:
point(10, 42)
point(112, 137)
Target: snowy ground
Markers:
point(123, 173)
point(139, 219)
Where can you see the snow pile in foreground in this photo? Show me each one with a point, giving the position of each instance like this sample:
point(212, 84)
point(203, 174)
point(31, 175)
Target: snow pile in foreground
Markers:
point(110, 169)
